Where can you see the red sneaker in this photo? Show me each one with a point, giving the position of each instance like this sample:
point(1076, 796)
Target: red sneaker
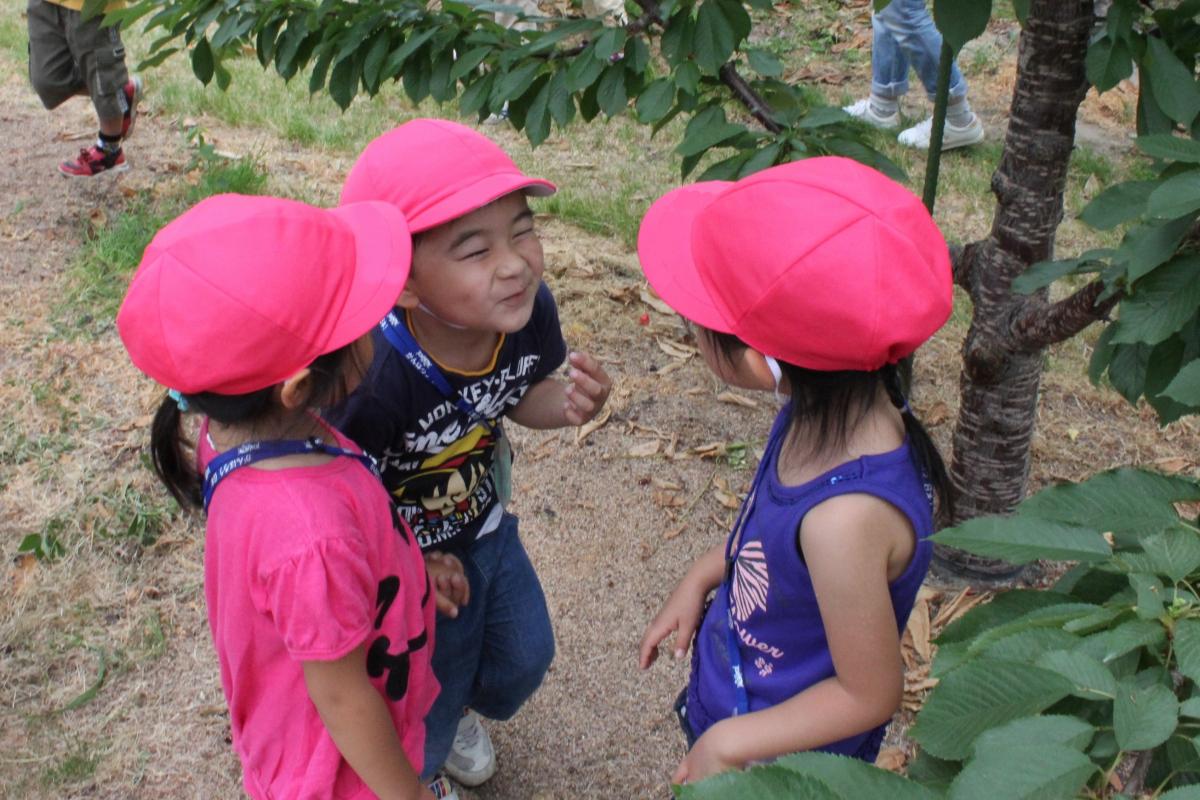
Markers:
point(133, 94)
point(92, 161)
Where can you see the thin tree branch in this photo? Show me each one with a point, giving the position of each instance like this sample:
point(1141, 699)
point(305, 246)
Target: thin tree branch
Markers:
point(758, 108)
point(1038, 325)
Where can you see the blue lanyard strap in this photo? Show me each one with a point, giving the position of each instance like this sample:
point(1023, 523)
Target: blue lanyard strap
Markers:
point(732, 643)
point(402, 340)
point(224, 464)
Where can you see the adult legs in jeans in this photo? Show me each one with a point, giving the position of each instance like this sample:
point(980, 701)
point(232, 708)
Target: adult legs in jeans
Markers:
point(494, 655)
point(903, 35)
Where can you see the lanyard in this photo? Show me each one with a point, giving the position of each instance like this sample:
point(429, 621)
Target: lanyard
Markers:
point(249, 453)
point(732, 643)
point(397, 334)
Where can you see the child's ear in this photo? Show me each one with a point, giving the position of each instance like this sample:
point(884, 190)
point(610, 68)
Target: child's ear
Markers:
point(408, 298)
point(756, 366)
point(294, 393)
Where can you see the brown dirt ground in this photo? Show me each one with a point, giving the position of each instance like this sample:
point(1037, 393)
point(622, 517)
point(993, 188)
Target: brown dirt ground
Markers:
point(611, 521)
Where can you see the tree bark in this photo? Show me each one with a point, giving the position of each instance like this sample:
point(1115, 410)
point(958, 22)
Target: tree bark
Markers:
point(1001, 373)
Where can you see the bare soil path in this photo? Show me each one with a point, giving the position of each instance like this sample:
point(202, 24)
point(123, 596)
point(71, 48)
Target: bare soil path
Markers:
point(108, 683)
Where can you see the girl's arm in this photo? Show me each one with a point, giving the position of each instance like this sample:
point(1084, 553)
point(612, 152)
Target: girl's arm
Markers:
point(681, 612)
point(357, 718)
point(848, 543)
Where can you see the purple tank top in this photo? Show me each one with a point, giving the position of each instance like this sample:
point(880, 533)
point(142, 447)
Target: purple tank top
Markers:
point(778, 632)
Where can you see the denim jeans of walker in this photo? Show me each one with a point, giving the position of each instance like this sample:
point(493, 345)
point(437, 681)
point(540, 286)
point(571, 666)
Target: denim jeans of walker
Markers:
point(904, 35)
point(493, 656)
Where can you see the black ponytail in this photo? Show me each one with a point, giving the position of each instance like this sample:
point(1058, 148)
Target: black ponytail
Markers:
point(921, 444)
point(173, 456)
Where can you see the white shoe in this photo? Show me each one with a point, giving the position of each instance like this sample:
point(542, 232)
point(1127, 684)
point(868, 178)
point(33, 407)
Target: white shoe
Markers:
point(472, 759)
point(953, 136)
point(441, 788)
point(496, 119)
point(862, 110)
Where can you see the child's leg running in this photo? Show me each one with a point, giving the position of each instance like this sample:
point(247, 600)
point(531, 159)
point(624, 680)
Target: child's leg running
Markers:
point(101, 57)
point(518, 638)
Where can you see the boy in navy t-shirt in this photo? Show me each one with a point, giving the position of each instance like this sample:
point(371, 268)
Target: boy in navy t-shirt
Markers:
point(474, 338)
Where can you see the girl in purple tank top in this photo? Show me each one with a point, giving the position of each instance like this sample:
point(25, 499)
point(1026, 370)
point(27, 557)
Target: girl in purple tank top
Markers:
point(810, 279)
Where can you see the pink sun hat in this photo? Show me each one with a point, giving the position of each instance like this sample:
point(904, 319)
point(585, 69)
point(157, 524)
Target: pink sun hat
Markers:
point(436, 171)
point(239, 293)
point(823, 263)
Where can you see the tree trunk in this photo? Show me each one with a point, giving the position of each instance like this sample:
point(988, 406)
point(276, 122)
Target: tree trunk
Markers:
point(1001, 363)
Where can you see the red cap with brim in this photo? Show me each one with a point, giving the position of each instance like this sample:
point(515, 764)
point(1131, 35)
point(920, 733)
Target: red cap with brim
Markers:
point(240, 293)
point(436, 171)
point(824, 263)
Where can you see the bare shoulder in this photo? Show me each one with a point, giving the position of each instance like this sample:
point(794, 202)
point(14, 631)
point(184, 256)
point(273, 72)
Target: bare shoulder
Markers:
point(857, 524)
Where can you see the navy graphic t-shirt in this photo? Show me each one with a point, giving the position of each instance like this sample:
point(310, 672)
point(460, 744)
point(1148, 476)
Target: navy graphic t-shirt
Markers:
point(436, 465)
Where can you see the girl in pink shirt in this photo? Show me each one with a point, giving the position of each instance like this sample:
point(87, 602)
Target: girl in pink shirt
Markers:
point(255, 311)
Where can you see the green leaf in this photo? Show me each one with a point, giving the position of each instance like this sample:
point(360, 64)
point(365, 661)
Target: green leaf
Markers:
point(637, 55)
point(1021, 11)
point(678, 39)
point(851, 777)
point(1125, 501)
point(1161, 302)
point(1025, 772)
point(980, 695)
point(1023, 539)
point(1176, 552)
point(1108, 62)
point(1044, 273)
point(1026, 646)
point(373, 62)
point(1187, 648)
point(343, 82)
point(1111, 645)
point(687, 77)
point(655, 101)
point(737, 17)
point(562, 105)
point(1190, 708)
point(1090, 679)
point(764, 63)
point(1127, 368)
point(1174, 84)
point(764, 782)
point(1150, 595)
point(726, 169)
point(764, 158)
point(584, 71)
point(960, 21)
point(537, 118)
point(1117, 204)
point(396, 62)
point(706, 130)
point(822, 116)
point(610, 93)
point(1166, 359)
point(1182, 793)
point(1169, 147)
point(474, 98)
point(715, 38)
point(1176, 196)
point(1185, 386)
point(1061, 730)
point(1147, 246)
point(610, 42)
point(933, 772)
point(468, 61)
point(202, 61)
point(1143, 718)
point(516, 83)
point(1003, 608)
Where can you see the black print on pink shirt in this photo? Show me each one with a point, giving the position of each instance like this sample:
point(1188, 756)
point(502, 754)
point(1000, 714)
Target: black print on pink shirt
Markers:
point(379, 660)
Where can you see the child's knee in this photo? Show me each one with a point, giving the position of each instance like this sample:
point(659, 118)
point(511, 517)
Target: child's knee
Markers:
point(504, 691)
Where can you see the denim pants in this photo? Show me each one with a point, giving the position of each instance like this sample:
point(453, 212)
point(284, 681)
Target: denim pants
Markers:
point(493, 656)
point(904, 35)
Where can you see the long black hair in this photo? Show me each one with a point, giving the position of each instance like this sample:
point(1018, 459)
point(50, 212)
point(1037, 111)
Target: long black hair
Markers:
point(173, 456)
point(832, 403)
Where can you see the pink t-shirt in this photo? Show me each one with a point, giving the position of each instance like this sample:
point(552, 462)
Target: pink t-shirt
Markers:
point(306, 564)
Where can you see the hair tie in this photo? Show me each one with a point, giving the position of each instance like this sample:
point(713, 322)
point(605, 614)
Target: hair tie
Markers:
point(905, 408)
point(179, 399)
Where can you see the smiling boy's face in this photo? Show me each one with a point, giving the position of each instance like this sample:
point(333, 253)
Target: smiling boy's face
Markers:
point(480, 271)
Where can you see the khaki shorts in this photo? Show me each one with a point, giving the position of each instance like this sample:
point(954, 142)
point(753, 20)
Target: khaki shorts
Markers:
point(70, 56)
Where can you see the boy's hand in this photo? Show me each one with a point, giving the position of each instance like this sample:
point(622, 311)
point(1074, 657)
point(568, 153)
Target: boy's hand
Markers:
point(588, 389)
point(450, 585)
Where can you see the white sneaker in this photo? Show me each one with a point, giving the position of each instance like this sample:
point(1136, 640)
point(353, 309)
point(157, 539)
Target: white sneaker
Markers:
point(862, 110)
point(472, 759)
point(441, 788)
point(953, 136)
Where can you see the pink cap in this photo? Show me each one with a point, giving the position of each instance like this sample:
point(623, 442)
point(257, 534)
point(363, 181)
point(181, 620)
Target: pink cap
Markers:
point(822, 263)
point(436, 171)
point(239, 293)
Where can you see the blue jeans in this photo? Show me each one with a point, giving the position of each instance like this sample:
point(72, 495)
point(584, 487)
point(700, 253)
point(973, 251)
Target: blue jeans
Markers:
point(904, 35)
point(493, 656)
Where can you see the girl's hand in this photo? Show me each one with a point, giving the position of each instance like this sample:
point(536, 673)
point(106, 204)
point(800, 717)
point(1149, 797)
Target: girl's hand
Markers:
point(450, 585)
point(588, 390)
point(681, 614)
point(708, 756)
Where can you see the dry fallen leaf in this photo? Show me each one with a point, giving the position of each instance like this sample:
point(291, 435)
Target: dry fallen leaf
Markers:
point(645, 449)
point(727, 499)
point(736, 400)
point(591, 426)
point(711, 450)
point(671, 534)
point(918, 626)
point(669, 486)
point(675, 349)
point(891, 759)
point(667, 500)
point(1173, 465)
point(652, 300)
